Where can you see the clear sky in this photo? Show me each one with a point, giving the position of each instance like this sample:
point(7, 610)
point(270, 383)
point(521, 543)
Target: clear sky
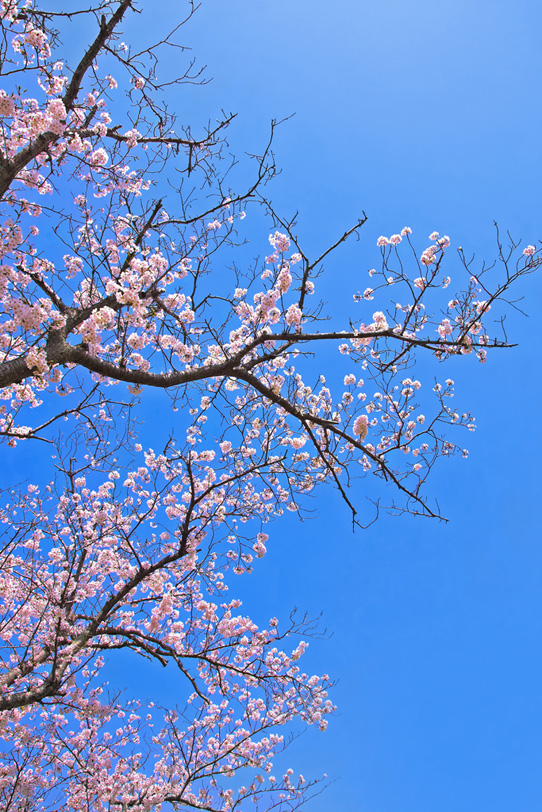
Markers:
point(424, 114)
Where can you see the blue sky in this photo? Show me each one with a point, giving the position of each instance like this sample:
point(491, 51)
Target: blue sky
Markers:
point(427, 115)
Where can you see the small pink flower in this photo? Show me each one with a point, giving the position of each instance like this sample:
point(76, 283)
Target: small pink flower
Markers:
point(445, 328)
point(382, 241)
point(380, 321)
point(293, 315)
point(99, 157)
point(280, 242)
point(7, 108)
point(360, 426)
point(428, 256)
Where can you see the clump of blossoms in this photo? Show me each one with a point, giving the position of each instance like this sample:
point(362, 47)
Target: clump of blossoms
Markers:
point(120, 582)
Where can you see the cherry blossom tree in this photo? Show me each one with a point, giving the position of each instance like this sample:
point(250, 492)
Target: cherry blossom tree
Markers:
point(118, 224)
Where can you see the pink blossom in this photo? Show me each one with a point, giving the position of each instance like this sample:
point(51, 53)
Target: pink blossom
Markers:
point(280, 242)
point(380, 321)
point(284, 280)
point(428, 256)
point(99, 157)
point(293, 315)
point(7, 107)
point(360, 426)
point(482, 307)
point(132, 138)
point(445, 328)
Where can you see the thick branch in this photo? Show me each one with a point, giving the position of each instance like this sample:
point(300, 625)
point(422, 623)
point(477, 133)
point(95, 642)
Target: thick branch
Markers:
point(59, 352)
